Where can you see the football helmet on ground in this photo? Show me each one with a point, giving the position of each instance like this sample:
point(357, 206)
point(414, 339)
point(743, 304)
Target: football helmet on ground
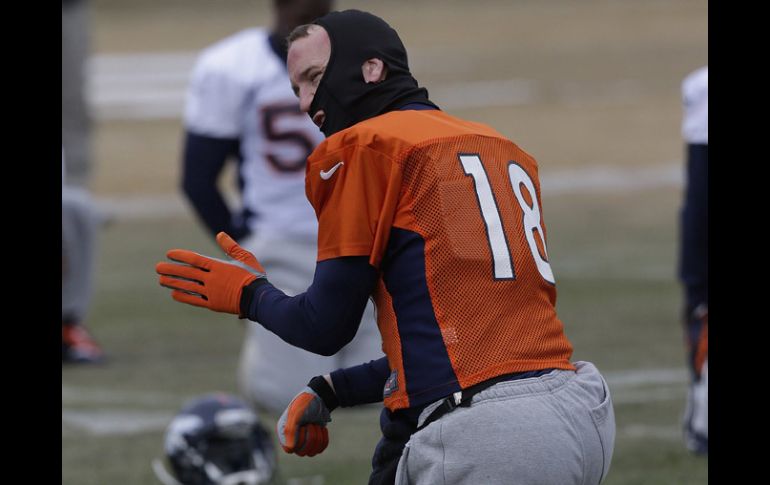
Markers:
point(216, 439)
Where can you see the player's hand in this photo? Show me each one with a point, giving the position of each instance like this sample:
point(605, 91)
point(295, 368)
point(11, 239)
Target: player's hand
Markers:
point(209, 282)
point(301, 428)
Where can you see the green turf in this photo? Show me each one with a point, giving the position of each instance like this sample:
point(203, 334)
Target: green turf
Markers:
point(162, 353)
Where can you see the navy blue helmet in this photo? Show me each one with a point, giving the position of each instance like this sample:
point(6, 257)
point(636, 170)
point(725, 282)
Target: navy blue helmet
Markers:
point(216, 439)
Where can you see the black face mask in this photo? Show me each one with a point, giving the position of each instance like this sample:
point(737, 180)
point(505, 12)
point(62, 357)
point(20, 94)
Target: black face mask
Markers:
point(342, 93)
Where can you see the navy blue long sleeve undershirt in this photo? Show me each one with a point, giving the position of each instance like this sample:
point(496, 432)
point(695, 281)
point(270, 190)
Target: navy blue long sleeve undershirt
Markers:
point(203, 159)
point(361, 384)
point(693, 257)
point(324, 319)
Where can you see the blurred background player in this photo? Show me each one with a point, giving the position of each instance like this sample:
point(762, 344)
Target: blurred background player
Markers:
point(693, 270)
point(75, 119)
point(240, 107)
point(79, 224)
point(80, 220)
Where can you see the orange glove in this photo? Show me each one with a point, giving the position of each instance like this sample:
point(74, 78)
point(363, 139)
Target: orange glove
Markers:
point(209, 282)
point(301, 428)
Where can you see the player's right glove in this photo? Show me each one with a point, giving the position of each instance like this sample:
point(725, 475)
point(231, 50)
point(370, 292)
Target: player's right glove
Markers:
point(210, 282)
point(301, 428)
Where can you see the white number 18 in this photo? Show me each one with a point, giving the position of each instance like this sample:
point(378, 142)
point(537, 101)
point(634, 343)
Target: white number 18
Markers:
point(501, 254)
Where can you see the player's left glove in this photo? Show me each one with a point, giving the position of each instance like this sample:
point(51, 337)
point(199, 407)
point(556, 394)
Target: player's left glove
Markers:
point(301, 428)
point(209, 282)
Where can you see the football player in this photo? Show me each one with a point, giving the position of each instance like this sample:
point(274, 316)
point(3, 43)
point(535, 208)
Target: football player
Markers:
point(439, 220)
point(240, 108)
point(79, 226)
point(693, 270)
point(80, 218)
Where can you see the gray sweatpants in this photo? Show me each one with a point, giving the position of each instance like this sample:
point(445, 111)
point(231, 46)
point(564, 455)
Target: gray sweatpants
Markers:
point(558, 429)
point(79, 222)
point(76, 120)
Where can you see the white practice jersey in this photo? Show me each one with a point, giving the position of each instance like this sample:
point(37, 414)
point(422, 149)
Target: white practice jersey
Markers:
point(240, 89)
point(695, 96)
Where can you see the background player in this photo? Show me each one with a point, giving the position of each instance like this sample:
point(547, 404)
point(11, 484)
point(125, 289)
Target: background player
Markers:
point(440, 220)
point(693, 270)
point(75, 115)
point(80, 219)
point(240, 107)
point(79, 226)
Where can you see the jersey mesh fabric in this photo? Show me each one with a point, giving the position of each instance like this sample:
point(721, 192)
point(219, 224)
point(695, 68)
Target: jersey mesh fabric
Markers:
point(391, 340)
point(488, 326)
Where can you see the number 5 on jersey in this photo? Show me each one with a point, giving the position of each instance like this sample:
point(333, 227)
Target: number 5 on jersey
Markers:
point(502, 262)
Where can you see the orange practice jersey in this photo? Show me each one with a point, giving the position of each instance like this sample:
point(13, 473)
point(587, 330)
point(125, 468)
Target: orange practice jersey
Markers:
point(449, 212)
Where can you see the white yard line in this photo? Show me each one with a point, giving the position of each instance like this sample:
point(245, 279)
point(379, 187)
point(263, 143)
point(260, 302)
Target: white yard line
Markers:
point(587, 180)
point(143, 206)
point(645, 377)
point(611, 179)
point(153, 85)
point(74, 396)
point(486, 94)
point(139, 85)
point(122, 412)
point(648, 431)
point(105, 422)
point(649, 395)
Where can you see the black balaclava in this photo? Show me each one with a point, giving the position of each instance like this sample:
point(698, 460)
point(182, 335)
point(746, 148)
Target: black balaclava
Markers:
point(342, 94)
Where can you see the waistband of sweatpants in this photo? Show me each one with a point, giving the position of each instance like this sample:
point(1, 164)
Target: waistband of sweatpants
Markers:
point(464, 398)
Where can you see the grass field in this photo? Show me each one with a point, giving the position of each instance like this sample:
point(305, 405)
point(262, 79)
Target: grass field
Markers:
point(590, 88)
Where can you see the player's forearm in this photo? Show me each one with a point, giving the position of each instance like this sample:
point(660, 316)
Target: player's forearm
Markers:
point(324, 318)
point(202, 161)
point(213, 212)
point(361, 384)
